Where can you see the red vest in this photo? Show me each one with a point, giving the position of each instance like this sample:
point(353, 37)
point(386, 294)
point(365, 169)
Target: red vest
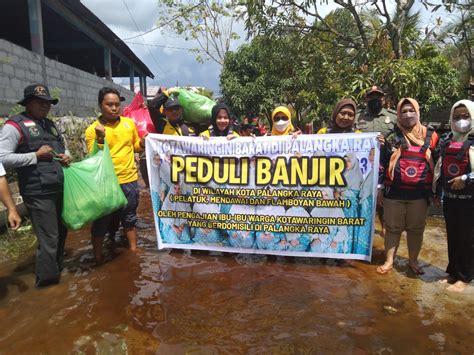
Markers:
point(412, 170)
point(455, 159)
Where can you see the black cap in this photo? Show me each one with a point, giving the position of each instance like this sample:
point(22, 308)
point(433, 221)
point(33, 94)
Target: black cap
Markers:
point(39, 91)
point(172, 102)
point(375, 89)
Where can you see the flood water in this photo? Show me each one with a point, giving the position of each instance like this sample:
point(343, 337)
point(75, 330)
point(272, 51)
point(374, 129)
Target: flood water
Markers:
point(177, 302)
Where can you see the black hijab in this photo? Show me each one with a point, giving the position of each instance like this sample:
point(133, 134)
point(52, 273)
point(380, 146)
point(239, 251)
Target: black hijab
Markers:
point(215, 131)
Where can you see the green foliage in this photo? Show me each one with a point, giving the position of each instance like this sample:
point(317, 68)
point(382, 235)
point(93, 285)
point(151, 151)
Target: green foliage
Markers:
point(15, 110)
point(310, 62)
point(16, 244)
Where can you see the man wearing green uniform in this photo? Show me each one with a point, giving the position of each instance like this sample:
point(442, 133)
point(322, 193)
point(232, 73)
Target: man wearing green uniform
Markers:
point(375, 118)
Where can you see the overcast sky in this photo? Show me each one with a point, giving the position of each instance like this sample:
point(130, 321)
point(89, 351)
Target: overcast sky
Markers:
point(169, 65)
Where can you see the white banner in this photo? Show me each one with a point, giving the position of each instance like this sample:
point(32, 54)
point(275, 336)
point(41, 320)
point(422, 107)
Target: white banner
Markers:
point(310, 196)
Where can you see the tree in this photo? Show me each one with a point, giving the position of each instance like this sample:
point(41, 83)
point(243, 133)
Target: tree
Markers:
point(278, 71)
point(328, 59)
point(458, 38)
point(210, 23)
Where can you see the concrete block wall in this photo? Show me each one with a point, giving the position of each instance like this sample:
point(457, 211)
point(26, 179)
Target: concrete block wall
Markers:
point(77, 89)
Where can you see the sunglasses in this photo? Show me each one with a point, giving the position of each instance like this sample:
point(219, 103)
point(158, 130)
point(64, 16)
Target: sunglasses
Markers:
point(280, 117)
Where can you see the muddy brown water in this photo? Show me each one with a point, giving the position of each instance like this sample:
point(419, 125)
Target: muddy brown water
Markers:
point(178, 302)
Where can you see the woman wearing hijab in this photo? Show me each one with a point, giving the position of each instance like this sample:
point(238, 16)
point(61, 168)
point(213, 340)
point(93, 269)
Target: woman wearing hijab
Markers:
point(342, 121)
point(342, 118)
point(221, 123)
point(206, 236)
point(351, 191)
point(238, 238)
point(297, 241)
point(366, 199)
point(175, 230)
point(281, 122)
point(454, 176)
point(267, 240)
point(336, 239)
point(155, 181)
point(407, 186)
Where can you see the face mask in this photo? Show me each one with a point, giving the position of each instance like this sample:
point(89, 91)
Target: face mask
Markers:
point(281, 125)
point(462, 125)
point(374, 105)
point(408, 119)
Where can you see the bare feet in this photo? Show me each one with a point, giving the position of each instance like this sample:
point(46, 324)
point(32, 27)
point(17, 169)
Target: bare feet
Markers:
point(458, 286)
point(382, 270)
point(415, 268)
point(447, 280)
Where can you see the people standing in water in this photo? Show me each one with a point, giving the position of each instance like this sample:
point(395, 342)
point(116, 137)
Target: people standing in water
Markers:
point(31, 143)
point(408, 179)
point(123, 141)
point(454, 179)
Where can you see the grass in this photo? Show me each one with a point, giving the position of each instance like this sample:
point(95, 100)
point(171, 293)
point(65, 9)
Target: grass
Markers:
point(16, 243)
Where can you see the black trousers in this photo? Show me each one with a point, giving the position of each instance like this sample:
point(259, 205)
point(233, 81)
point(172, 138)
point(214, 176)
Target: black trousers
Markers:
point(459, 217)
point(45, 214)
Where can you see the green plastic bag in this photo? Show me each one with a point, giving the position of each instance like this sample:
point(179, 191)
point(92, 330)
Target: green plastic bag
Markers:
point(91, 189)
point(196, 108)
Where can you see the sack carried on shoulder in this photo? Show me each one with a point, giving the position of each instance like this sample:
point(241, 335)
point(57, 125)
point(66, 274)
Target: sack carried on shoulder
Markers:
point(91, 189)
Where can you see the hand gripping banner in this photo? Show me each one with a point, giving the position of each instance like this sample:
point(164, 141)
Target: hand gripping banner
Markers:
point(313, 195)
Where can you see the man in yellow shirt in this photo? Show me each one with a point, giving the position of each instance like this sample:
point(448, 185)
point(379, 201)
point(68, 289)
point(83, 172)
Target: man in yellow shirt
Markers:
point(171, 121)
point(123, 141)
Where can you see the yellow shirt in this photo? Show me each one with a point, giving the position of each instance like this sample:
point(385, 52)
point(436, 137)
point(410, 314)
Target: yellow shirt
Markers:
point(123, 140)
point(172, 130)
point(324, 130)
point(207, 133)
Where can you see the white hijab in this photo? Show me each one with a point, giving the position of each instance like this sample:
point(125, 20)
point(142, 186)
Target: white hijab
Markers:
point(206, 208)
point(268, 210)
point(457, 137)
point(353, 175)
point(296, 212)
point(174, 206)
point(327, 211)
point(241, 209)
